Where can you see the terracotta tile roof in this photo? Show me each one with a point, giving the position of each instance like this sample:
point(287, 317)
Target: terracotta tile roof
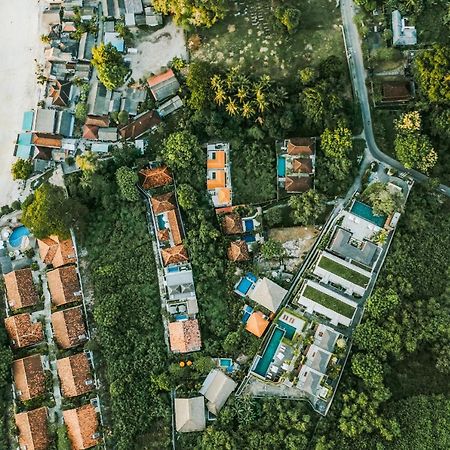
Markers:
point(90, 132)
point(175, 228)
point(163, 235)
point(301, 146)
point(97, 121)
point(46, 140)
point(297, 184)
point(257, 323)
point(156, 79)
point(20, 289)
point(29, 377)
point(60, 92)
point(82, 426)
point(185, 336)
point(68, 327)
point(163, 203)
point(302, 165)
point(153, 178)
point(218, 182)
point(224, 196)
point(218, 162)
point(140, 125)
point(64, 285)
point(174, 255)
point(238, 251)
point(231, 224)
point(33, 432)
point(75, 375)
point(55, 252)
point(22, 332)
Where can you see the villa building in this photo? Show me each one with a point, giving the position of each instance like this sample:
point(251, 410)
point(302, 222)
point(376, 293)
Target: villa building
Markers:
point(219, 174)
point(22, 331)
point(267, 294)
point(164, 85)
point(82, 427)
point(69, 328)
point(184, 336)
point(216, 388)
point(56, 252)
point(20, 289)
point(33, 431)
point(29, 377)
point(64, 285)
point(75, 375)
point(402, 32)
point(296, 164)
point(190, 414)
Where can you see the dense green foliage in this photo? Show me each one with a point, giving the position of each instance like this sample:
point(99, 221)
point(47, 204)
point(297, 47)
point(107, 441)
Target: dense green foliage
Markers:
point(110, 66)
point(382, 200)
point(5, 381)
point(22, 169)
point(126, 312)
point(193, 13)
point(307, 207)
point(256, 425)
point(126, 179)
point(46, 212)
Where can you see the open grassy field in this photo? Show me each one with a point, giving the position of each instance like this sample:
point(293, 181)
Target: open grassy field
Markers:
point(246, 38)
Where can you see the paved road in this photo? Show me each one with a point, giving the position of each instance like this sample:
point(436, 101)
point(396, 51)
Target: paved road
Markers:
point(358, 75)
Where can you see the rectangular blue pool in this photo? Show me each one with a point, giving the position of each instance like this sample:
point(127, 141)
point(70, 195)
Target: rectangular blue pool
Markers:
point(161, 222)
point(249, 238)
point(289, 329)
point(247, 313)
point(266, 359)
point(281, 166)
point(244, 286)
point(249, 225)
point(365, 211)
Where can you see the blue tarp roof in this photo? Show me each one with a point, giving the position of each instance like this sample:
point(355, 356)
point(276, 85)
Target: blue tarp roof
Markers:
point(24, 139)
point(23, 151)
point(27, 123)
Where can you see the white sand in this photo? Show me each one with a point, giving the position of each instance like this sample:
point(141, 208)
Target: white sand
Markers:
point(156, 50)
point(20, 45)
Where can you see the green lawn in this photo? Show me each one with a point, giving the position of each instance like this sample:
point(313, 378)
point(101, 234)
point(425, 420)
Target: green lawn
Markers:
point(329, 302)
point(344, 272)
point(258, 48)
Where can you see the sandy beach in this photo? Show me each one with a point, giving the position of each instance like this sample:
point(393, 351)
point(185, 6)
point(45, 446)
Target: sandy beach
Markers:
point(20, 37)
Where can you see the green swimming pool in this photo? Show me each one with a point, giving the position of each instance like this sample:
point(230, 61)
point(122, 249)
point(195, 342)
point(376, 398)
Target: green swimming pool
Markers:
point(289, 329)
point(365, 211)
point(263, 364)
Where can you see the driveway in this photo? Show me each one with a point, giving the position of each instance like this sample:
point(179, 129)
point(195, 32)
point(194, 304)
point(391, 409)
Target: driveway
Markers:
point(358, 76)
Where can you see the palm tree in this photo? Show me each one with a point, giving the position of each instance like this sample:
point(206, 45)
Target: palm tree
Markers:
point(261, 101)
point(216, 81)
point(232, 108)
point(232, 78)
point(220, 95)
point(242, 93)
point(263, 83)
point(247, 110)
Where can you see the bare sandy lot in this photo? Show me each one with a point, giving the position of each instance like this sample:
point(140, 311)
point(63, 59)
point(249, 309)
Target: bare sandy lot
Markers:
point(19, 34)
point(156, 50)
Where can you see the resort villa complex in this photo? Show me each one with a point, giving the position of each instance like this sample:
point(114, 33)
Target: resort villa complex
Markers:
point(306, 347)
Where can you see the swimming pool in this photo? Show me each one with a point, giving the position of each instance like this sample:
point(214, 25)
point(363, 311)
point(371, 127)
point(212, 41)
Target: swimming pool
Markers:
point(227, 364)
point(249, 238)
point(249, 225)
point(247, 313)
point(289, 329)
point(281, 167)
point(263, 364)
point(16, 236)
point(161, 222)
point(244, 286)
point(181, 317)
point(365, 211)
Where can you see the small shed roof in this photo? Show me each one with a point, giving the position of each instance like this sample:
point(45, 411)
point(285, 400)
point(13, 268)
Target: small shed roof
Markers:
point(190, 414)
point(217, 388)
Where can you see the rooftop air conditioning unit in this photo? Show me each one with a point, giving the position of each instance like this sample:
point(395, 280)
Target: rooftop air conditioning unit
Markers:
point(77, 294)
point(88, 382)
point(96, 435)
point(81, 337)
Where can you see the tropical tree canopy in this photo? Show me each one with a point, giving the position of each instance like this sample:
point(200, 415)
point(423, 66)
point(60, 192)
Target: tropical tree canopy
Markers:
point(110, 65)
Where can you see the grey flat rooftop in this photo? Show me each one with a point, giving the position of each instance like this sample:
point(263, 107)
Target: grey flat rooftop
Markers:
point(365, 253)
